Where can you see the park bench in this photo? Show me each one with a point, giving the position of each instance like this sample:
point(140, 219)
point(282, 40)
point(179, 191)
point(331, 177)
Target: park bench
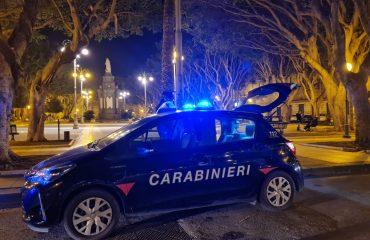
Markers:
point(13, 131)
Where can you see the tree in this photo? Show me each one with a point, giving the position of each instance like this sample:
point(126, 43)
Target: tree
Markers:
point(62, 88)
point(168, 41)
point(326, 35)
point(82, 21)
point(89, 115)
point(220, 77)
point(14, 39)
point(53, 105)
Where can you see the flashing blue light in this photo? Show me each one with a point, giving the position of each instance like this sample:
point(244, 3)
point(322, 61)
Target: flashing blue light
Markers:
point(204, 104)
point(188, 107)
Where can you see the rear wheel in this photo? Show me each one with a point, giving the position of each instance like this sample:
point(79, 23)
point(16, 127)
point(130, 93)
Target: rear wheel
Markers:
point(92, 214)
point(277, 191)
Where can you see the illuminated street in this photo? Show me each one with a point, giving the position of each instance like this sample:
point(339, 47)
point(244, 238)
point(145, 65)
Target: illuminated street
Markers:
point(84, 135)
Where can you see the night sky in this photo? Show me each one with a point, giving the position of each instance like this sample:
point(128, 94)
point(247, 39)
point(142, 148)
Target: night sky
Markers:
point(127, 56)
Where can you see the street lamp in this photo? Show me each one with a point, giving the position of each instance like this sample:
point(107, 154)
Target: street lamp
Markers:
point(346, 125)
point(87, 95)
point(144, 79)
point(123, 95)
point(75, 75)
point(83, 76)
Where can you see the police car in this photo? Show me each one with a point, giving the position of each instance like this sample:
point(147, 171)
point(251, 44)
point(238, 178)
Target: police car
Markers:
point(162, 163)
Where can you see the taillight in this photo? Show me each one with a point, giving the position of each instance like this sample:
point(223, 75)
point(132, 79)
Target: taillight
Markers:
point(291, 147)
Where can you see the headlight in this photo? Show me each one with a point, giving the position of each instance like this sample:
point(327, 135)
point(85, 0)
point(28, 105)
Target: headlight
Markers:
point(47, 175)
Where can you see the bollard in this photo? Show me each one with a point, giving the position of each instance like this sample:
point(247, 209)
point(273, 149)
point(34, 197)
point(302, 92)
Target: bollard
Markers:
point(58, 130)
point(66, 136)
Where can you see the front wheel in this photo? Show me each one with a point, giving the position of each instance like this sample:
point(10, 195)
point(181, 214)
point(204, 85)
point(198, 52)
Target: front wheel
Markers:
point(92, 214)
point(277, 191)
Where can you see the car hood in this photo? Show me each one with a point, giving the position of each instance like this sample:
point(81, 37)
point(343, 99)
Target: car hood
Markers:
point(64, 158)
point(283, 89)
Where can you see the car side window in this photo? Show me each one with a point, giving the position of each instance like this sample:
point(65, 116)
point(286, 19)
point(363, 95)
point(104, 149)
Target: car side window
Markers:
point(157, 138)
point(198, 131)
point(231, 129)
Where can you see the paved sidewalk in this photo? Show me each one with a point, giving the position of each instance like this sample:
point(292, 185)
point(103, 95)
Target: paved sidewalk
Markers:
point(11, 182)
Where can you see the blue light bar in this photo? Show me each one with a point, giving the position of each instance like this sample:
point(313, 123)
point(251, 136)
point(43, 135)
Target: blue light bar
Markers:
point(204, 104)
point(188, 107)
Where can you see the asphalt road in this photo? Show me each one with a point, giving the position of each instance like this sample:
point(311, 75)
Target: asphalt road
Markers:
point(329, 208)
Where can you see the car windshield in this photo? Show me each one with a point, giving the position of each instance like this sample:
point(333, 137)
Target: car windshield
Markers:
point(118, 134)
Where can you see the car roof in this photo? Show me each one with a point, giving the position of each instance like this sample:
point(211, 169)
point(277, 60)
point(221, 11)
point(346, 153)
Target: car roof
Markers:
point(231, 112)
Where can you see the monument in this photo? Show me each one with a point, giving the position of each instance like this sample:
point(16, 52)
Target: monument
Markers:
point(108, 94)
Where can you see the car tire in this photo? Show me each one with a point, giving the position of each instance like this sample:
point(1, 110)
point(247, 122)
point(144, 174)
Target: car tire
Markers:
point(277, 191)
point(83, 219)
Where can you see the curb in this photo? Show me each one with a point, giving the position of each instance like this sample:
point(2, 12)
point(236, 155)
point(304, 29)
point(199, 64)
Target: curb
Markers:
point(13, 173)
point(336, 171)
point(9, 191)
point(45, 146)
point(321, 146)
point(344, 149)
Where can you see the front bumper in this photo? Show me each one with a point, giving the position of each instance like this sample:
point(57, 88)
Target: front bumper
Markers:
point(40, 206)
point(38, 229)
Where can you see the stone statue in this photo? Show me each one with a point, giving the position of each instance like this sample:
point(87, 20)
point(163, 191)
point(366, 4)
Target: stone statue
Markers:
point(108, 68)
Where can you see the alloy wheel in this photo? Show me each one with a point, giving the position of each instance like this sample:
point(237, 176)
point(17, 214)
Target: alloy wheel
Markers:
point(279, 191)
point(92, 216)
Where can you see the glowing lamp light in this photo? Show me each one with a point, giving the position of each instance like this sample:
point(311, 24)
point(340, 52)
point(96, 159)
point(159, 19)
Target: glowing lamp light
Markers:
point(217, 98)
point(62, 49)
point(74, 74)
point(349, 66)
point(87, 75)
point(250, 100)
point(85, 51)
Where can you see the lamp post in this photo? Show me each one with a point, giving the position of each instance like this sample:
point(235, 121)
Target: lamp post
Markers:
point(87, 95)
point(83, 76)
point(144, 79)
point(84, 51)
point(75, 123)
point(176, 76)
point(346, 125)
point(124, 94)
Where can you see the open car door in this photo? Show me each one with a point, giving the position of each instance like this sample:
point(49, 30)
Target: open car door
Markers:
point(283, 90)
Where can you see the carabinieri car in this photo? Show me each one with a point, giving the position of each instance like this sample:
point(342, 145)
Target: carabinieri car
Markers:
point(162, 163)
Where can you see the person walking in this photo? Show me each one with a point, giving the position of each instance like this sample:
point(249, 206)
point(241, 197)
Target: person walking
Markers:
point(299, 120)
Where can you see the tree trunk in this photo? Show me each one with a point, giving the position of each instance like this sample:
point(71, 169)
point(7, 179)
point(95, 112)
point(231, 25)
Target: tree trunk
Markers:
point(168, 44)
point(38, 94)
point(6, 98)
point(358, 93)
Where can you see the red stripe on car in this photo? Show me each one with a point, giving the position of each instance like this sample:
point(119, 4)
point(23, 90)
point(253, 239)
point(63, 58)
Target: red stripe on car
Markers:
point(266, 170)
point(126, 187)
